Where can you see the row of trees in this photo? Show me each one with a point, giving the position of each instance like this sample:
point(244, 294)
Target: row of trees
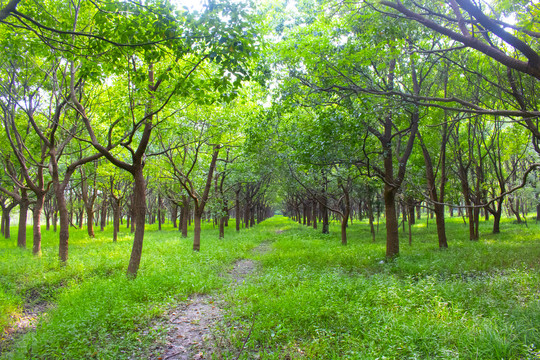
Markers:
point(344, 107)
point(97, 200)
point(438, 105)
point(112, 99)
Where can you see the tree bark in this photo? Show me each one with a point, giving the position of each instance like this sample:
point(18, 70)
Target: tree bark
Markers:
point(103, 214)
point(196, 231)
point(139, 211)
point(23, 215)
point(90, 221)
point(174, 215)
point(237, 208)
point(116, 218)
point(184, 216)
point(392, 226)
point(38, 207)
point(314, 216)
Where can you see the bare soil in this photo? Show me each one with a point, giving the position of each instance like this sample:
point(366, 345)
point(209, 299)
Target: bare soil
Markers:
point(25, 322)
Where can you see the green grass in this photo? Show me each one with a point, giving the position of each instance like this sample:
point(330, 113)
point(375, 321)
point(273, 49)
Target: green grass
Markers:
point(311, 298)
point(316, 299)
point(96, 312)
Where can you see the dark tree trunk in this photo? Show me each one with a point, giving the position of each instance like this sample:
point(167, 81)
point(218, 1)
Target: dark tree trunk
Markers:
point(344, 229)
point(437, 199)
point(237, 209)
point(497, 222)
point(48, 221)
point(159, 212)
point(103, 220)
point(325, 223)
point(139, 212)
point(64, 222)
point(476, 222)
point(174, 215)
point(23, 215)
point(197, 230)
point(55, 218)
point(184, 216)
point(314, 217)
point(252, 218)
point(222, 227)
point(412, 216)
point(38, 207)
point(116, 218)
point(6, 219)
point(371, 217)
point(80, 220)
point(7, 224)
point(90, 221)
point(392, 226)
point(441, 226)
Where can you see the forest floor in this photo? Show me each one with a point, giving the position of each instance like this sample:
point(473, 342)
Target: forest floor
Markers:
point(280, 290)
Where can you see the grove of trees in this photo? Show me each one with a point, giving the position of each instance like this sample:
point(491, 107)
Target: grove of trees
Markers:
point(122, 113)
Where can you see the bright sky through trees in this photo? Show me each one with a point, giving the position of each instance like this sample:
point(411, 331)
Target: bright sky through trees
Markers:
point(192, 4)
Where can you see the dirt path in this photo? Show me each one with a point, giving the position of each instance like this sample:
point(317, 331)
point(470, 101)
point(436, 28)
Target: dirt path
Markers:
point(25, 322)
point(190, 334)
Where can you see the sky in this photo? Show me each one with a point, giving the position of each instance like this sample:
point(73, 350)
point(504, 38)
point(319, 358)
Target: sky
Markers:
point(192, 4)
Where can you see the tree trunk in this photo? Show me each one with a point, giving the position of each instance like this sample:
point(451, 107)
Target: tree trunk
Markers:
point(6, 220)
point(80, 219)
point(197, 230)
point(237, 209)
point(344, 229)
point(90, 220)
point(116, 218)
point(222, 227)
point(441, 226)
point(184, 216)
point(174, 215)
point(392, 226)
point(38, 207)
point(64, 222)
point(497, 221)
point(437, 199)
point(103, 214)
point(412, 216)
point(139, 212)
point(7, 224)
point(252, 218)
point(23, 215)
point(325, 223)
point(371, 217)
point(314, 217)
point(48, 221)
point(159, 212)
